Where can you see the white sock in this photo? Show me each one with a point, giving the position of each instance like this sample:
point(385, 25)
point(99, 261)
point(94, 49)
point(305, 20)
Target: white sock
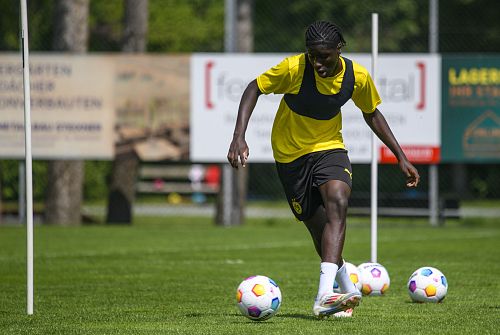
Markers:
point(326, 278)
point(345, 283)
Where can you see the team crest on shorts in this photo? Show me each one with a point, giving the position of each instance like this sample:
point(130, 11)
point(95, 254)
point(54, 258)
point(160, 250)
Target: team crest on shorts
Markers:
point(296, 206)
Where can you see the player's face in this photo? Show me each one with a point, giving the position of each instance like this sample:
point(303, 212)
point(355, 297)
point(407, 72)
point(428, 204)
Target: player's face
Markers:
point(324, 59)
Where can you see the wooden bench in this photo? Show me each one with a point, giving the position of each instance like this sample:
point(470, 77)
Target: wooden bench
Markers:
point(176, 178)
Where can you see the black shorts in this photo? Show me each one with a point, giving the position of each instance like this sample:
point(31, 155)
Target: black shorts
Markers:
point(302, 177)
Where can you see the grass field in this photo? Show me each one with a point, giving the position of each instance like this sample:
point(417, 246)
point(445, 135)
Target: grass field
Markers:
point(179, 276)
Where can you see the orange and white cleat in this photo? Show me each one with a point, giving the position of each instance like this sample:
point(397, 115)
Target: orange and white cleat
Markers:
point(332, 303)
point(344, 314)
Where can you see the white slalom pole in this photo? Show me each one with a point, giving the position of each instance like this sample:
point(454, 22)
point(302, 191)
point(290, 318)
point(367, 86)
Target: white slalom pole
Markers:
point(374, 162)
point(27, 144)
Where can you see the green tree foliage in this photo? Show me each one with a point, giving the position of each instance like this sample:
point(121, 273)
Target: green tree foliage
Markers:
point(9, 179)
point(9, 26)
point(40, 24)
point(96, 179)
point(198, 25)
point(174, 25)
point(469, 25)
point(280, 24)
point(105, 24)
point(186, 26)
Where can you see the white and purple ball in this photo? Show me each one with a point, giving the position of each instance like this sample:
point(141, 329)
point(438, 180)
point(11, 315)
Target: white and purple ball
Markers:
point(375, 279)
point(258, 298)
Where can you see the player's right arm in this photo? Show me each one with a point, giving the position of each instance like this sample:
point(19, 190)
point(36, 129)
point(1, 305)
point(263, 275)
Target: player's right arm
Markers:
point(276, 80)
point(238, 149)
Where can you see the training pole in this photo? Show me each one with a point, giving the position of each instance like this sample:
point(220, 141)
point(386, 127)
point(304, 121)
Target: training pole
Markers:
point(27, 145)
point(374, 162)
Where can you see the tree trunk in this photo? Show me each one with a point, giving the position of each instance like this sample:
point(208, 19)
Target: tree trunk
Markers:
point(244, 25)
point(124, 172)
point(122, 188)
point(64, 194)
point(237, 178)
point(65, 178)
point(136, 26)
point(71, 26)
point(1, 198)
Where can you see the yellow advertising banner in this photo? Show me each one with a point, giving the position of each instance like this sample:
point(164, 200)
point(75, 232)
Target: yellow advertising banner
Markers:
point(93, 106)
point(72, 107)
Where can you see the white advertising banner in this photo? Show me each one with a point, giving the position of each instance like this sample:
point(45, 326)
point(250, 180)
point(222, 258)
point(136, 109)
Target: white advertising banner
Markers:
point(410, 88)
point(72, 108)
point(409, 85)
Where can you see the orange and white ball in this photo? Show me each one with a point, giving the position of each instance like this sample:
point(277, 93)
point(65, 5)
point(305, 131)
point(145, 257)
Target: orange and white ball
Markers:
point(374, 279)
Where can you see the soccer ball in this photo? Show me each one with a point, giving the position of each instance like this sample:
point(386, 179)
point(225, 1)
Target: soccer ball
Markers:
point(374, 279)
point(353, 273)
point(427, 284)
point(258, 298)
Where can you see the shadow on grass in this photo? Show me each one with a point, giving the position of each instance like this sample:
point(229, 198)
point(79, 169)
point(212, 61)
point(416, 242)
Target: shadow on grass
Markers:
point(279, 315)
point(201, 315)
point(295, 316)
point(195, 315)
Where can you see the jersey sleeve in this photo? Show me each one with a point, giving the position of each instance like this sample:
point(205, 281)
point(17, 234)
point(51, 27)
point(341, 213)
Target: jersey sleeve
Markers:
point(365, 95)
point(276, 80)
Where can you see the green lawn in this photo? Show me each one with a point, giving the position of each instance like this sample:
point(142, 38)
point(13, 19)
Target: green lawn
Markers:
point(179, 276)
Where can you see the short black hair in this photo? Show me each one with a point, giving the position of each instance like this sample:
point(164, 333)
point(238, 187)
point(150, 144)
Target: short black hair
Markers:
point(324, 33)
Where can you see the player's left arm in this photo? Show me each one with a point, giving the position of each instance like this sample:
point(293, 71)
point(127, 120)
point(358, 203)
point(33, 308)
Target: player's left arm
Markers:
point(366, 98)
point(378, 124)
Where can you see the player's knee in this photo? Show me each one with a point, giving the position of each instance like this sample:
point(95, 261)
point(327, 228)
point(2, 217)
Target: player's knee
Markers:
point(338, 202)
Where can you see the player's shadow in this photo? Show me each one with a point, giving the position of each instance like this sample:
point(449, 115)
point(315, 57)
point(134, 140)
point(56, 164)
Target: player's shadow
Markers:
point(295, 316)
point(194, 315)
point(279, 315)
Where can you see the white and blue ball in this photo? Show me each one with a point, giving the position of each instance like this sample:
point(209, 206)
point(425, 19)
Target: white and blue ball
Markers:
point(427, 284)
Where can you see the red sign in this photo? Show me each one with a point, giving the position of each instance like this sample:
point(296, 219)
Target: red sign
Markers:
point(424, 154)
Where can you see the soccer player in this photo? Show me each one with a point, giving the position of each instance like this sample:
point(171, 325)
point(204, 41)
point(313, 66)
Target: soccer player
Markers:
point(310, 155)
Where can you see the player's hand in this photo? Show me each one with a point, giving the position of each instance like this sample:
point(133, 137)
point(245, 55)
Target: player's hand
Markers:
point(238, 150)
point(411, 173)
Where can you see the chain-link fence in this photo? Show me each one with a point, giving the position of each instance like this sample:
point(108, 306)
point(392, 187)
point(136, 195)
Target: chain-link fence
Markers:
point(178, 26)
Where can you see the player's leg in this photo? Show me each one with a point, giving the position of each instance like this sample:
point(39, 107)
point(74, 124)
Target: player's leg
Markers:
point(335, 195)
point(306, 202)
point(327, 302)
point(335, 179)
point(345, 283)
point(315, 226)
point(346, 286)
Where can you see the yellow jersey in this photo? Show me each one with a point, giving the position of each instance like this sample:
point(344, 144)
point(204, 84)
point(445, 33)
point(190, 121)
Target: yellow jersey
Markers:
point(294, 135)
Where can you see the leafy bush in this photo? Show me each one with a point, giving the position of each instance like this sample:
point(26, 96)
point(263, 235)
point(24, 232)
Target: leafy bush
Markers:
point(95, 186)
